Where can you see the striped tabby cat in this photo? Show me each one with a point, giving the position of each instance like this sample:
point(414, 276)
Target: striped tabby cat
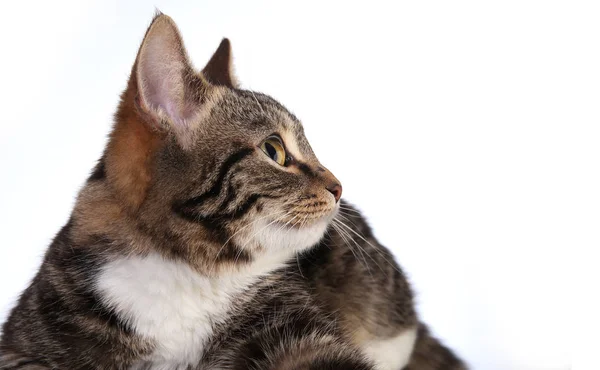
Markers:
point(209, 236)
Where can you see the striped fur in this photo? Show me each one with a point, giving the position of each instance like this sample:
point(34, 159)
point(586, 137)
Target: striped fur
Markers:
point(189, 248)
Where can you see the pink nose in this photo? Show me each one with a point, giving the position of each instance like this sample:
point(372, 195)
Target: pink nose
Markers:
point(336, 190)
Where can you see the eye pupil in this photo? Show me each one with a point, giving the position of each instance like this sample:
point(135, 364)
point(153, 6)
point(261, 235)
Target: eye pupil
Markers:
point(271, 151)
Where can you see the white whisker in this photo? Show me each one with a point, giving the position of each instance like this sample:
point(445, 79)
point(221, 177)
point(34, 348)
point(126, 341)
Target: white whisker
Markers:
point(347, 209)
point(345, 237)
point(369, 243)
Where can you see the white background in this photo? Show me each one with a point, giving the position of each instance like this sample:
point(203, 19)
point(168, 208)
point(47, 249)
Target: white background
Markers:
point(467, 131)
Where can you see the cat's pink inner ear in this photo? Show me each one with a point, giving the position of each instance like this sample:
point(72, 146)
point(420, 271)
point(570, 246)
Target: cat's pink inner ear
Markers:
point(162, 65)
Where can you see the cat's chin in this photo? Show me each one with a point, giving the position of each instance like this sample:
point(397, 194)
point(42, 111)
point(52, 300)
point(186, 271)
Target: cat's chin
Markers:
point(277, 236)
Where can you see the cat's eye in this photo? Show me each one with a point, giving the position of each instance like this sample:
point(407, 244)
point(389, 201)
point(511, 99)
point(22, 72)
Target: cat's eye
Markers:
point(273, 148)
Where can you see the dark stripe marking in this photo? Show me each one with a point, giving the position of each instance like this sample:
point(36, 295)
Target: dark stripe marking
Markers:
point(219, 218)
point(306, 169)
point(230, 197)
point(216, 188)
point(232, 252)
point(216, 224)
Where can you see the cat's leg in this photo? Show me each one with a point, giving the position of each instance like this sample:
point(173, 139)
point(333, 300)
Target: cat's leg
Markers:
point(410, 349)
point(390, 352)
point(313, 352)
point(430, 354)
point(293, 339)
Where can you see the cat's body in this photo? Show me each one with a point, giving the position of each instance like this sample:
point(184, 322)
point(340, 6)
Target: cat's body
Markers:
point(328, 292)
point(210, 237)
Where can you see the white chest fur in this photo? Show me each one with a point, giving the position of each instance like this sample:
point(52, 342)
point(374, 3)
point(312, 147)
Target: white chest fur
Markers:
point(171, 304)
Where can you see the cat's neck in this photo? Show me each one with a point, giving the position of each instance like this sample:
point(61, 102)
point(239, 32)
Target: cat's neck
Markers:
point(174, 306)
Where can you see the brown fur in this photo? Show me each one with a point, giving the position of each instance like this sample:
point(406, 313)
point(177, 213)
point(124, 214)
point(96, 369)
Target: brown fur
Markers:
point(183, 176)
point(129, 153)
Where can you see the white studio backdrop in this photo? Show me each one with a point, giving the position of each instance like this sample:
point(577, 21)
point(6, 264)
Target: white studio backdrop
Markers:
point(467, 131)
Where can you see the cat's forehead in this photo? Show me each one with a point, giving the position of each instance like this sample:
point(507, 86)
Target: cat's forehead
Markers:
point(260, 113)
point(267, 107)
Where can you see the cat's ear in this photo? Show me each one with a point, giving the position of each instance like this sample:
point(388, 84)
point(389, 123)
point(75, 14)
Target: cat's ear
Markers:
point(219, 69)
point(168, 87)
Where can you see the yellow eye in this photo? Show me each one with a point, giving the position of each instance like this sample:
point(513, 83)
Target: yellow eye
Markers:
point(274, 149)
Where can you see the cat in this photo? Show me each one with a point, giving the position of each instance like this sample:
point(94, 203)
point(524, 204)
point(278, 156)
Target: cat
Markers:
point(209, 236)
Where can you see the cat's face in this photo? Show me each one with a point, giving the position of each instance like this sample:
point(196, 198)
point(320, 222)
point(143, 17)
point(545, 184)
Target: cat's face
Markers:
point(226, 165)
point(251, 169)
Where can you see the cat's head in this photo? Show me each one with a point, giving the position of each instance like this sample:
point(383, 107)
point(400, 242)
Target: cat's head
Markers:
point(208, 167)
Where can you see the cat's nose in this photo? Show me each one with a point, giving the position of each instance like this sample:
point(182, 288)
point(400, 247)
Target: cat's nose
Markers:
point(336, 190)
point(331, 183)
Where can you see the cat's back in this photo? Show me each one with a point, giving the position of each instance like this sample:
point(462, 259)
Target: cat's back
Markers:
point(357, 279)
point(350, 263)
